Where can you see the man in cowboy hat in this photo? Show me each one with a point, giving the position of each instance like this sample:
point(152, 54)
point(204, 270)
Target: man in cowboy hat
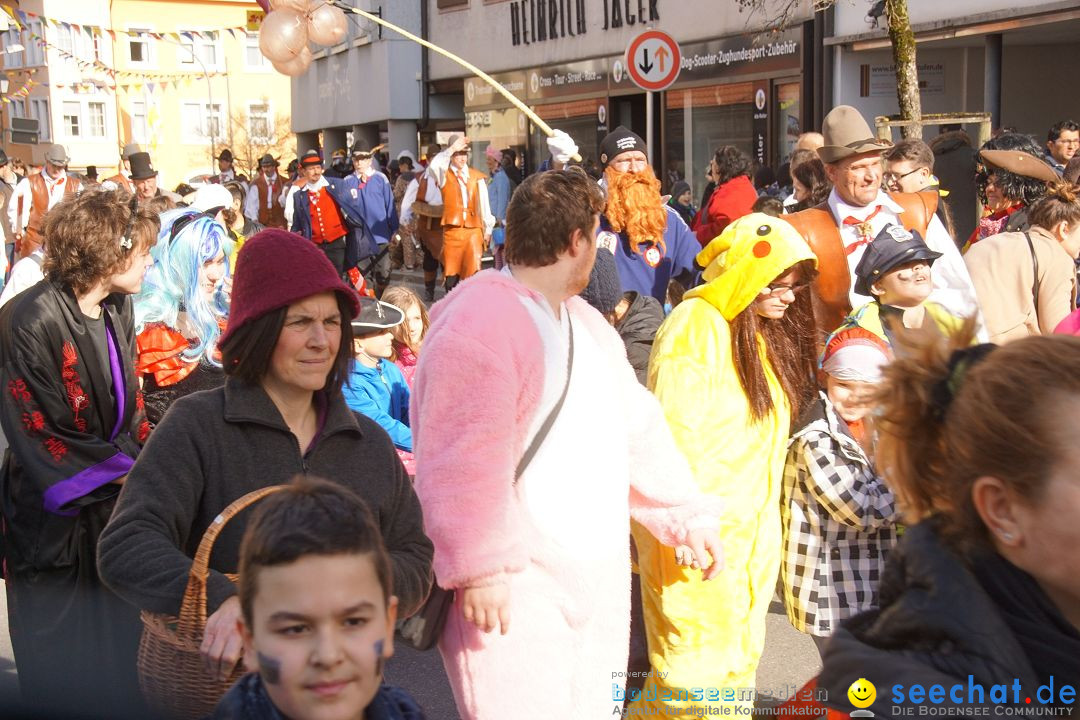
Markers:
point(372, 199)
point(264, 203)
point(467, 220)
point(422, 206)
point(35, 195)
point(226, 173)
point(320, 212)
point(122, 179)
point(840, 229)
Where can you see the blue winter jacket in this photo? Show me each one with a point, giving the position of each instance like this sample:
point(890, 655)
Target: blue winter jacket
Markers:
point(383, 395)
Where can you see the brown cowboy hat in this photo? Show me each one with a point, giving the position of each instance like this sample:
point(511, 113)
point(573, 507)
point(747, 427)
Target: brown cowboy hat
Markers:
point(1019, 162)
point(846, 133)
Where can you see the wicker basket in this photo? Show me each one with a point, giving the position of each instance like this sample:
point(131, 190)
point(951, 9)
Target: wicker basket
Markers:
point(171, 673)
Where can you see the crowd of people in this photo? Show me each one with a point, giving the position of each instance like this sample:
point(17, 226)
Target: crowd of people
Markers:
point(597, 461)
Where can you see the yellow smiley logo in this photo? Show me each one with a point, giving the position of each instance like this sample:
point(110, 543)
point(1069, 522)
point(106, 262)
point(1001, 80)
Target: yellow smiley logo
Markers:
point(862, 693)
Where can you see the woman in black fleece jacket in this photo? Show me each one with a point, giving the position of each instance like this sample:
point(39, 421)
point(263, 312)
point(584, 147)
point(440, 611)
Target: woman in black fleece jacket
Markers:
point(286, 352)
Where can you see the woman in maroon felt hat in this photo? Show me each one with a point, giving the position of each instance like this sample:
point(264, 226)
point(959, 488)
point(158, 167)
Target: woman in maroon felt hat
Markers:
point(286, 352)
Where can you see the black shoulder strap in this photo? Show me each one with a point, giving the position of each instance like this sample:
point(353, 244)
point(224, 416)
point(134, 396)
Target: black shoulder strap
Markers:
point(542, 433)
point(1035, 265)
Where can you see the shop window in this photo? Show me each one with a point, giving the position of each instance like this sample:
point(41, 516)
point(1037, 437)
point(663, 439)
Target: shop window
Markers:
point(700, 120)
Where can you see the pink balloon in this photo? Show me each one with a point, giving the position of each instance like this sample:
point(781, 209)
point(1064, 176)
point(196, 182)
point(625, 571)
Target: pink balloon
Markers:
point(295, 67)
point(327, 25)
point(283, 35)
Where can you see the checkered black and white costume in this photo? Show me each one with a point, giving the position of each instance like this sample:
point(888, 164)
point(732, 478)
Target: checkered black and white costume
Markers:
point(839, 525)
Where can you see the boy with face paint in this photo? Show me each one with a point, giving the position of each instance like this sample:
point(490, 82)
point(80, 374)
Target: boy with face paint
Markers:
point(316, 655)
point(895, 272)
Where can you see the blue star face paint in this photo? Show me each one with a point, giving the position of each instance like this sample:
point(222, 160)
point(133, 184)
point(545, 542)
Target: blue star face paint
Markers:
point(269, 669)
point(379, 659)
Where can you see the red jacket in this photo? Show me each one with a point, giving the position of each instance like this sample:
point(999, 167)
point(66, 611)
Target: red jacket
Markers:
point(728, 203)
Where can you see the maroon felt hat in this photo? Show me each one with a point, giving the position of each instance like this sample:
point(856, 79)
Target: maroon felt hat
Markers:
point(276, 268)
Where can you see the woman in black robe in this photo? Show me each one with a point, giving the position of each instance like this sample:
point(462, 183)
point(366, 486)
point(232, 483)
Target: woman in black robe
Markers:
point(73, 417)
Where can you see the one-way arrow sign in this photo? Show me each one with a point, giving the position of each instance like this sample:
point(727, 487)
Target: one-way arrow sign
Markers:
point(650, 46)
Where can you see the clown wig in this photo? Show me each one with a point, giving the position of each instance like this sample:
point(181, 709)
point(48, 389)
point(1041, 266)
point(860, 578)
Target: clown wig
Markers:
point(188, 239)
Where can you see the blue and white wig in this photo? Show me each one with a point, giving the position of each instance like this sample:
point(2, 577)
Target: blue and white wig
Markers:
point(171, 285)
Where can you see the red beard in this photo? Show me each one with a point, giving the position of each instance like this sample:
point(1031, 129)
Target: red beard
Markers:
point(633, 205)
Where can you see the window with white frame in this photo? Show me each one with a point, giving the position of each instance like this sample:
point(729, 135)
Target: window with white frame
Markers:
point(260, 126)
point(140, 131)
point(13, 59)
point(139, 47)
point(201, 121)
point(35, 54)
point(253, 57)
point(39, 110)
point(203, 45)
point(95, 115)
point(17, 109)
point(65, 39)
point(72, 127)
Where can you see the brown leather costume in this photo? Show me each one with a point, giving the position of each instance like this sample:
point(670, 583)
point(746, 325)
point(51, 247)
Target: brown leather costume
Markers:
point(273, 216)
point(39, 205)
point(832, 288)
point(428, 221)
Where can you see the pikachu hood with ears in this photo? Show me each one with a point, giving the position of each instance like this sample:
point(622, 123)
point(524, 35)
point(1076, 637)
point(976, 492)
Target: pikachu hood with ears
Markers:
point(750, 253)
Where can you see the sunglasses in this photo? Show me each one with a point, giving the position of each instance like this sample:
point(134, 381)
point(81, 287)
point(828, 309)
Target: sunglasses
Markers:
point(133, 209)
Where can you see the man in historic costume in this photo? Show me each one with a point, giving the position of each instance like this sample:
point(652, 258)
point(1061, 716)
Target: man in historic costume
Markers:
point(423, 203)
point(122, 179)
point(321, 213)
point(35, 195)
point(226, 171)
point(73, 415)
point(467, 220)
point(652, 243)
point(535, 445)
point(856, 212)
point(264, 202)
point(145, 179)
point(369, 193)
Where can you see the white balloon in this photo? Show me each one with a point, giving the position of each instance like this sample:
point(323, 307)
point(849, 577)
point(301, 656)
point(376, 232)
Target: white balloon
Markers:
point(295, 67)
point(327, 25)
point(283, 35)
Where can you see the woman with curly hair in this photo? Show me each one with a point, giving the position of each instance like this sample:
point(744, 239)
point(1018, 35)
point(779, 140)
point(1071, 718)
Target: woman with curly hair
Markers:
point(73, 417)
point(1009, 178)
point(731, 366)
point(181, 310)
point(733, 197)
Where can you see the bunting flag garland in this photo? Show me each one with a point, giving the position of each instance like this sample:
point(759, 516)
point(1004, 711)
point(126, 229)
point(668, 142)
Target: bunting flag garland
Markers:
point(23, 18)
point(97, 65)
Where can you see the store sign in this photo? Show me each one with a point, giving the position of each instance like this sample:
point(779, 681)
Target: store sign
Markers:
point(761, 121)
point(880, 80)
point(479, 95)
point(533, 21)
point(580, 78)
point(739, 55)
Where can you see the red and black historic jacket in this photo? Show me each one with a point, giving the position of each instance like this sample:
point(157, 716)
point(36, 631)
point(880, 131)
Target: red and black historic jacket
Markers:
point(74, 422)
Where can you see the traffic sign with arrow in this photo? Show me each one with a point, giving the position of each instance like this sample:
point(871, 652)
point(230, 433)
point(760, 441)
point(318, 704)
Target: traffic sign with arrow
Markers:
point(653, 60)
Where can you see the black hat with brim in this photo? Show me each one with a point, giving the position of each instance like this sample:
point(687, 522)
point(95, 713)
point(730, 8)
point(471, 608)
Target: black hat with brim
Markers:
point(375, 316)
point(894, 246)
point(141, 167)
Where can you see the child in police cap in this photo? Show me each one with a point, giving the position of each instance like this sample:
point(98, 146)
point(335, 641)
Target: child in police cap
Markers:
point(895, 272)
point(318, 612)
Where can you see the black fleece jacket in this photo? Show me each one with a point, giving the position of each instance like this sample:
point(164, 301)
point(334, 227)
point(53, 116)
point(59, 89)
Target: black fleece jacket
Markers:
point(215, 446)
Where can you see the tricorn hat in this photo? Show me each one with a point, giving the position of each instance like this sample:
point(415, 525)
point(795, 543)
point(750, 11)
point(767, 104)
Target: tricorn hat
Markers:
point(1020, 163)
point(846, 133)
point(141, 167)
point(375, 315)
point(226, 155)
point(893, 246)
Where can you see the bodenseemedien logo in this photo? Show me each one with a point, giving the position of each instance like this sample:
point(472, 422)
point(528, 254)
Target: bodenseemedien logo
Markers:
point(862, 694)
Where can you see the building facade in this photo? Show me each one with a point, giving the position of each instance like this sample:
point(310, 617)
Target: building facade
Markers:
point(184, 79)
point(998, 56)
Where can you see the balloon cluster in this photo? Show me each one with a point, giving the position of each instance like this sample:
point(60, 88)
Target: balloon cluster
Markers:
point(291, 25)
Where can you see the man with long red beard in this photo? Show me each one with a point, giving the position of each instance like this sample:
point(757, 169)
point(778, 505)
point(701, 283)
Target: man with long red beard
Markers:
point(652, 244)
